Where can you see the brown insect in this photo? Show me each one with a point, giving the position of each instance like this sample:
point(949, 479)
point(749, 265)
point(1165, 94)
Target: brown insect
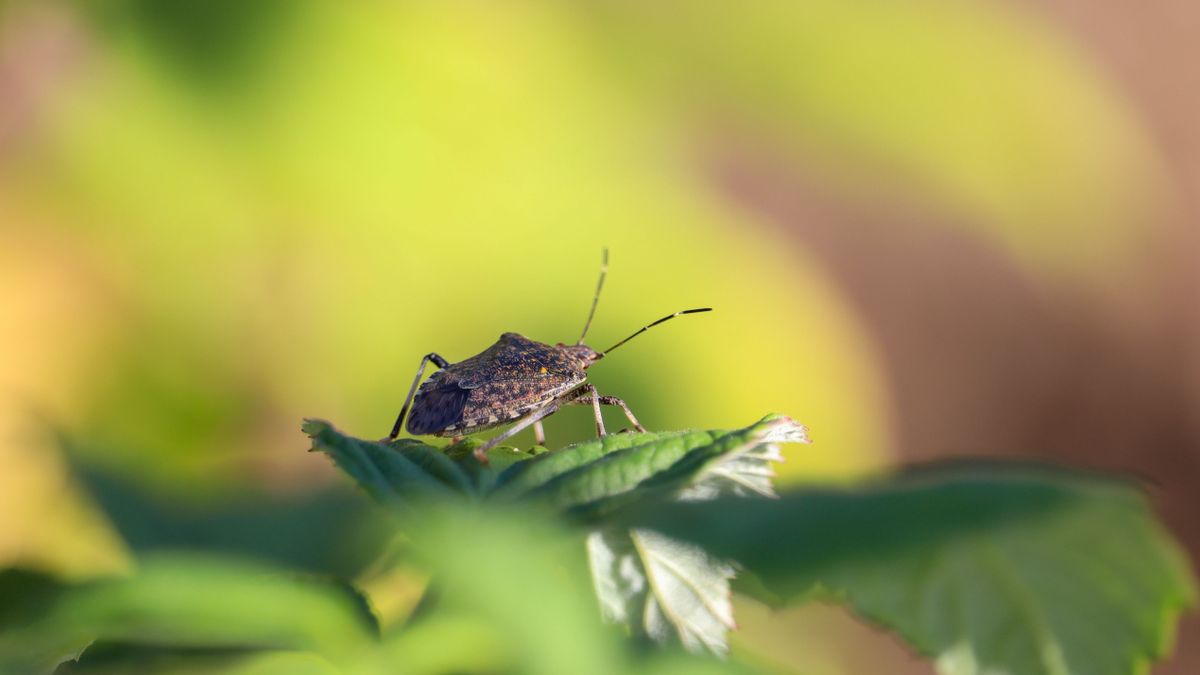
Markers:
point(516, 380)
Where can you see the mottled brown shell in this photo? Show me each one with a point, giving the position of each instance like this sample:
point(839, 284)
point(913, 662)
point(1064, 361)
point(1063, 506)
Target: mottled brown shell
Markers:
point(509, 379)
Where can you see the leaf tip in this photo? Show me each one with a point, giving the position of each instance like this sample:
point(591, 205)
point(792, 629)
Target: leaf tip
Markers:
point(313, 427)
point(784, 429)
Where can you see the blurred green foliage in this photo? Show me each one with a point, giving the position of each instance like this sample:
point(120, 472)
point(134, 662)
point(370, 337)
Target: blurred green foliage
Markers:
point(986, 568)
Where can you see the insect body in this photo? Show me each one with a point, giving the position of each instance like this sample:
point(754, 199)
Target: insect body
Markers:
point(513, 377)
point(516, 380)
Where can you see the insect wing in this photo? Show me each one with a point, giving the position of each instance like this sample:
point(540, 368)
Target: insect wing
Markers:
point(437, 408)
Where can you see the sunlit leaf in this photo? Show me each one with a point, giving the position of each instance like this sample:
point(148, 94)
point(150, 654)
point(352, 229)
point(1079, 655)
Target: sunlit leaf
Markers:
point(401, 471)
point(673, 591)
point(670, 464)
point(528, 475)
point(664, 589)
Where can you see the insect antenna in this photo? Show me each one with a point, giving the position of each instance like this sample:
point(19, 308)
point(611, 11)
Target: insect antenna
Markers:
point(643, 329)
point(596, 298)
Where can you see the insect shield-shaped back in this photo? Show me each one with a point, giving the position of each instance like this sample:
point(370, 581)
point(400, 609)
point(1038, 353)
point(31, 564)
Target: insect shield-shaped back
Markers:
point(509, 379)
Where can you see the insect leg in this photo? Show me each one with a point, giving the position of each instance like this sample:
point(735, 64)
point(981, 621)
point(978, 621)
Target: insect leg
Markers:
point(613, 400)
point(532, 418)
point(437, 361)
point(539, 434)
point(594, 395)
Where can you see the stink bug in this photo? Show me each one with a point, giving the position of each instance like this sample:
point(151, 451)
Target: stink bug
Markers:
point(516, 380)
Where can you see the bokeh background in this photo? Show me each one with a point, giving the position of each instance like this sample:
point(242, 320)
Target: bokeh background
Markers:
point(929, 229)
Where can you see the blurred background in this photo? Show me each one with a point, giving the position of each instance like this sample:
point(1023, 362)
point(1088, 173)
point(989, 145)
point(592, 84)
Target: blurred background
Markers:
point(929, 229)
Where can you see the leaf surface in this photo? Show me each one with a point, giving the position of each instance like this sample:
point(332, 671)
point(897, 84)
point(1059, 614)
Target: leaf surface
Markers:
point(521, 478)
point(986, 568)
point(196, 602)
point(671, 465)
point(664, 589)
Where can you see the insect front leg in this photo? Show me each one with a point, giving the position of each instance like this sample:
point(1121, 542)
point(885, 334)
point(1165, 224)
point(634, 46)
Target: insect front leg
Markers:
point(437, 361)
point(539, 434)
point(614, 401)
point(591, 395)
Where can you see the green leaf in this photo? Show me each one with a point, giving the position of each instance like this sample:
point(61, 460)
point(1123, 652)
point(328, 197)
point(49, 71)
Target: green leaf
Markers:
point(484, 476)
point(435, 645)
point(386, 474)
point(122, 658)
point(673, 591)
point(321, 530)
point(284, 663)
point(523, 477)
point(987, 568)
point(662, 588)
point(25, 594)
point(522, 571)
point(405, 470)
point(436, 463)
point(194, 602)
point(670, 464)
point(736, 464)
point(26, 597)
